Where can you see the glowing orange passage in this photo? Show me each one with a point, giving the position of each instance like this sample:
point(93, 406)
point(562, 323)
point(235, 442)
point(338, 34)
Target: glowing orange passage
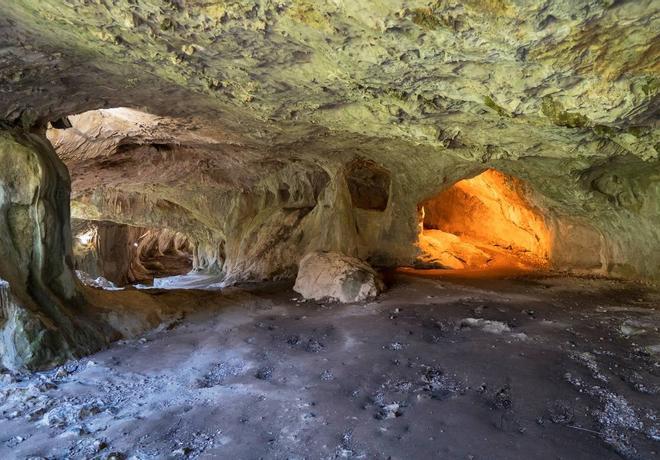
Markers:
point(486, 221)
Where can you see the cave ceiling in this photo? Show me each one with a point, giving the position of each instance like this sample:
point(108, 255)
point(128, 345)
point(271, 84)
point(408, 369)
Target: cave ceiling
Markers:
point(222, 119)
point(484, 80)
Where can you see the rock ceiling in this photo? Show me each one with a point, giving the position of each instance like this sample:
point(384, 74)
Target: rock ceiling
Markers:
point(487, 78)
point(219, 118)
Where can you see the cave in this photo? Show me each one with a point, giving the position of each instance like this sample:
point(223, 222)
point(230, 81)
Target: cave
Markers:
point(300, 229)
point(485, 222)
point(113, 255)
point(368, 184)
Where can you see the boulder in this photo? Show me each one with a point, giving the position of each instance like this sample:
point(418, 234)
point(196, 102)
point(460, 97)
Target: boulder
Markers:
point(335, 276)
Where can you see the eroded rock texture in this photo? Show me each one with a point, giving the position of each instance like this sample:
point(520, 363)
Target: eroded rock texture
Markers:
point(490, 219)
point(123, 254)
point(334, 276)
point(266, 130)
point(42, 318)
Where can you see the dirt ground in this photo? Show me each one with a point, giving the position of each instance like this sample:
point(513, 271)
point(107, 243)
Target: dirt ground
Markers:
point(450, 367)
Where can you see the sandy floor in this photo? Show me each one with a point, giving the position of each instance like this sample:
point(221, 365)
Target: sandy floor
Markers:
point(465, 368)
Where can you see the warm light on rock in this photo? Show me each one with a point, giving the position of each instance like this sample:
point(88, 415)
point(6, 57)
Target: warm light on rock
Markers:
point(329, 229)
point(485, 221)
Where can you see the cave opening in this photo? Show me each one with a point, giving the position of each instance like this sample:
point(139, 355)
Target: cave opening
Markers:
point(489, 221)
point(108, 254)
point(107, 151)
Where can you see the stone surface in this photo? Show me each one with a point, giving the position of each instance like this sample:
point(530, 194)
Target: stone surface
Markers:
point(126, 254)
point(337, 277)
point(263, 131)
point(437, 368)
point(256, 112)
point(445, 250)
point(44, 319)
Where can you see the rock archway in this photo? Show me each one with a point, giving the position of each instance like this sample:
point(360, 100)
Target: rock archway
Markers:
point(489, 220)
point(122, 254)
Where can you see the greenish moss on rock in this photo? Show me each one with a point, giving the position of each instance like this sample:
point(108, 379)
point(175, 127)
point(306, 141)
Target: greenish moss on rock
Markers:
point(554, 110)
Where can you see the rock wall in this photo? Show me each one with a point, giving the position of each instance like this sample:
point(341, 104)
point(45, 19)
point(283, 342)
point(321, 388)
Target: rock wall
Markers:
point(491, 208)
point(242, 105)
point(585, 210)
point(602, 215)
point(252, 210)
point(118, 256)
point(44, 316)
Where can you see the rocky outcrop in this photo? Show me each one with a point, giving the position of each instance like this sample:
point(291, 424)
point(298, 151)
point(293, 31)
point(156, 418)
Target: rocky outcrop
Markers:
point(337, 277)
point(44, 316)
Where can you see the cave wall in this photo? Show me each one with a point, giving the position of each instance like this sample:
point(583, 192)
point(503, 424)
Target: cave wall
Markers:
point(602, 213)
point(44, 317)
point(125, 254)
point(262, 231)
point(118, 256)
point(602, 216)
point(85, 252)
point(491, 208)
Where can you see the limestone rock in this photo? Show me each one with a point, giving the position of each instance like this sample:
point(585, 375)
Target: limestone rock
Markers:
point(444, 250)
point(123, 254)
point(43, 320)
point(263, 131)
point(245, 105)
point(331, 275)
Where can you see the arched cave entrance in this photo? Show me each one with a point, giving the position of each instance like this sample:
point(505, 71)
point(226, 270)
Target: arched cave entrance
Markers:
point(106, 151)
point(124, 254)
point(485, 222)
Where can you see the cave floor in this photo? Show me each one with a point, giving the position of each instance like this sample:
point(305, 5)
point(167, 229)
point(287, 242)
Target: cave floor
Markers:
point(437, 367)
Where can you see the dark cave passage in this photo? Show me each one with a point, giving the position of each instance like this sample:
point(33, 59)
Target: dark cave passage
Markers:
point(123, 254)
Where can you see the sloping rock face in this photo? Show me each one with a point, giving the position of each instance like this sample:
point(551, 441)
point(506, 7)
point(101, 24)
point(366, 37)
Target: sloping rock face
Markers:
point(334, 276)
point(267, 130)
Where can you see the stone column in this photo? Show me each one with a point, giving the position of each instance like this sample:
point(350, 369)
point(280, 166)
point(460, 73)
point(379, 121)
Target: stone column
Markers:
point(45, 320)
